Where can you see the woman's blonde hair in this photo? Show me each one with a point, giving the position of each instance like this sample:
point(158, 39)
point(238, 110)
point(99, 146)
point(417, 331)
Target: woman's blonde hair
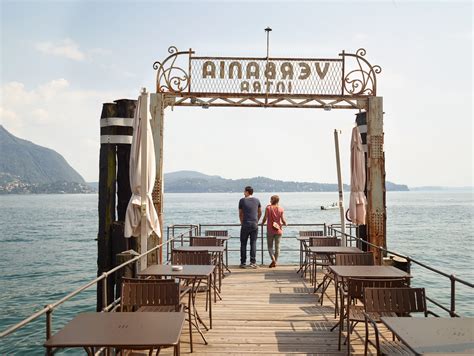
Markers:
point(274, 199)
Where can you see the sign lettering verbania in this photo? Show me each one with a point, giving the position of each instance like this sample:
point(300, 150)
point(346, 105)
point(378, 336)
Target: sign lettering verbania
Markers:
point(267, 76)
point(260, 76)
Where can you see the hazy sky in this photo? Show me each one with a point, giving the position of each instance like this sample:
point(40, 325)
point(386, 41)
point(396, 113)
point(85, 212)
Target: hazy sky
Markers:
point(61, 60)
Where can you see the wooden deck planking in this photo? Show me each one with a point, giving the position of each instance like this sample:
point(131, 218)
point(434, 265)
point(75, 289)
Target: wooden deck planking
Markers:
point(270, 311)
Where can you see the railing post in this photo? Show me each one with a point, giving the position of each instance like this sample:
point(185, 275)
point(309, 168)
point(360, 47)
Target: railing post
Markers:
point(167, 243)
point(453, 295)
point(104, 291)
point(49, 321)
point(261, 244)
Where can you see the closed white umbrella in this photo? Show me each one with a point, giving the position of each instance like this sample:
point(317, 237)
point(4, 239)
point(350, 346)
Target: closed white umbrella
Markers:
point(358, 201)
point(141, 218)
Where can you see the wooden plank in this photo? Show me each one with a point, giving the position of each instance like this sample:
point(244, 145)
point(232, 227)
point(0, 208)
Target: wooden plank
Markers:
point(266, 311)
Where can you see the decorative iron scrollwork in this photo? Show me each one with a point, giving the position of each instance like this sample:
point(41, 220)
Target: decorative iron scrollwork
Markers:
point(362, 80)
point(171, 78)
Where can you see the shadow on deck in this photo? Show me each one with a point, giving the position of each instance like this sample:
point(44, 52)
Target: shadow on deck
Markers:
point(270, 311)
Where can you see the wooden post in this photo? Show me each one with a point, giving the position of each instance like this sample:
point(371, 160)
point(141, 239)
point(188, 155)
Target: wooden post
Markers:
point(125, 114)
point(130, 271)
point(376, 212)
point(107, 167)
point(157, 110)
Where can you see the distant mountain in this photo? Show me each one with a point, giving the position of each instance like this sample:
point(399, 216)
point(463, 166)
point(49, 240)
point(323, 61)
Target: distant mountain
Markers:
point(33, 164)
point(439, 188)
point(196, 182)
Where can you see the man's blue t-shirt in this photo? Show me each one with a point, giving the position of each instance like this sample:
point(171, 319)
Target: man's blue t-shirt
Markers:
point(250, 207)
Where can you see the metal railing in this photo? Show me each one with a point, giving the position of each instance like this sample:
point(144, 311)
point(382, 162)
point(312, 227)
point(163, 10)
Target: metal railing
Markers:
point(185, 232)
point(351, 239)
point(48, 309)
point(261, 249)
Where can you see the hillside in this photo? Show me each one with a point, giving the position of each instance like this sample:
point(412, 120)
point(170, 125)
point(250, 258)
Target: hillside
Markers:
point(196, 182)
point(32, 163)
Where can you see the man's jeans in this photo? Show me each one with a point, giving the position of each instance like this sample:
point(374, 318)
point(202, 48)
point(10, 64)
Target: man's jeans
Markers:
point(247, 231)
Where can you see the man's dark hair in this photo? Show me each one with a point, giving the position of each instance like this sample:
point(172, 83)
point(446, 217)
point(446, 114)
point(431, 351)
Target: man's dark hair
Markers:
point(249, 189)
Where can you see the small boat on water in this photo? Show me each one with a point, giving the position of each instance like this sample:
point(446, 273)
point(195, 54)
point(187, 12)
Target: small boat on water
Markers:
point(329, 207)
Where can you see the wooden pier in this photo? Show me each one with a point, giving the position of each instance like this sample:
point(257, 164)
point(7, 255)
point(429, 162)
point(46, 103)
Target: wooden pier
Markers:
point(270, 311)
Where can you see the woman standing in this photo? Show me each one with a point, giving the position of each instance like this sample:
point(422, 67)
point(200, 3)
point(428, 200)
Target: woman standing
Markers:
point(275, 219)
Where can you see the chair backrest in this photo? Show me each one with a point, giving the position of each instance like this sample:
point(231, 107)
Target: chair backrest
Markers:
point(191, 258)
point(308, 233)
point(356, 287)
point(402, 301)
point(138, 293)
point(216, 233)
point(324, 241)
point(205, 241)
point(355, 259)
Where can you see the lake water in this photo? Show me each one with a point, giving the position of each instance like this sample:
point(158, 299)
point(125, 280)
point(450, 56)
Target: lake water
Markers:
point(49, 248)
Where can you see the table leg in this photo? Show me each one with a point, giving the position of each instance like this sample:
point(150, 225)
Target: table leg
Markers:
point(197, 318)
point(190, 320)
point(226, 265)
point(210, 301)
point(301, 258)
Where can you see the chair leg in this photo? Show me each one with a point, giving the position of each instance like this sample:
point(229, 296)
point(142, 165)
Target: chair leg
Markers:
point(366, 343)
point(190, 321)
point(348, 332)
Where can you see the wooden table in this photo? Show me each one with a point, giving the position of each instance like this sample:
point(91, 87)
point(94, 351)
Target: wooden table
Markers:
point(381, 272)
point(145, 330)
point(224, 240)
point(434, 335)
point(195, 273)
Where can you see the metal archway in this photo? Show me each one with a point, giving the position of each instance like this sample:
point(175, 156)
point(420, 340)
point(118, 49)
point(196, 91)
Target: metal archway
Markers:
point(347, 82)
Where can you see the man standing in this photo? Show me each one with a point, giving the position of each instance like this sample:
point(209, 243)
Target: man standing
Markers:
point(250, 212)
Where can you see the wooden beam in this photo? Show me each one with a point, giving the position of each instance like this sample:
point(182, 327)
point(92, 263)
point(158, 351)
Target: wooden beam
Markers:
point(376, 211)
point(157, 126)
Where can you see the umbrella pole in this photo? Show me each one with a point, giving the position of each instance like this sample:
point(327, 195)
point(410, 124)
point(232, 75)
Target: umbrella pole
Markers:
point(339, 183)
point(144, 184)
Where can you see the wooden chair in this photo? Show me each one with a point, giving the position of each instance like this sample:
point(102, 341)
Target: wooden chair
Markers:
point(345, 259)
point(394, 302)
point(322, 260)
point(205, 241)
point(353, 292)
point(355, 259)
point(311, 233)
point(220, 233)
point(216, 233)
point(304, 247)
point(152, 295)
point(196, 258)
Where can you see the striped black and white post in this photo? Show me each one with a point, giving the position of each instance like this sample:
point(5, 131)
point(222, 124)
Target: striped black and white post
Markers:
point(116, 132)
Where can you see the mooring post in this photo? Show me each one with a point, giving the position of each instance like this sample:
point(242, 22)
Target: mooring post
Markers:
point(124, 122)
point(107, 190)
point(376, 212)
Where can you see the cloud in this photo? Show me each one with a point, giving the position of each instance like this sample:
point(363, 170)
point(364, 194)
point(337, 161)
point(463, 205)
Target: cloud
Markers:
point(66, 48)
point(57, 115)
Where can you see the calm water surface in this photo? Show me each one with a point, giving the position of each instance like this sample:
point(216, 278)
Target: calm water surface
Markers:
point(49, 248)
